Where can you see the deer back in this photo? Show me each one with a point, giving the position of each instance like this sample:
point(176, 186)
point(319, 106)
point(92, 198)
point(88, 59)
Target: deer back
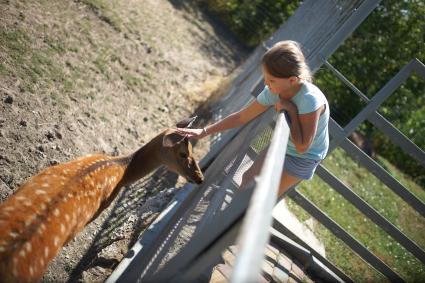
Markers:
point(48, 210)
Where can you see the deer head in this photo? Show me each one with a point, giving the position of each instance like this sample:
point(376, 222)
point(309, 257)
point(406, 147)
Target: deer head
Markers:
point(178, 156)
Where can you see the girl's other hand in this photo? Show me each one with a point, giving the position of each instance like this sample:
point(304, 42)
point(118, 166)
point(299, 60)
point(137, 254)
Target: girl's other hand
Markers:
point(192, 133)
point(284, 104)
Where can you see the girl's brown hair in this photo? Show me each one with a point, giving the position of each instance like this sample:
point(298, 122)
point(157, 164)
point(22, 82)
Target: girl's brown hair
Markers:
point(285, 59)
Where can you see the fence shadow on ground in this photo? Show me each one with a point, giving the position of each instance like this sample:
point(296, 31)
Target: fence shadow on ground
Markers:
point(131, 201)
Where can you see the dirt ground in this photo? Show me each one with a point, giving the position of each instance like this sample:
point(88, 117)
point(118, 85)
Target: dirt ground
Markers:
point(80, 77)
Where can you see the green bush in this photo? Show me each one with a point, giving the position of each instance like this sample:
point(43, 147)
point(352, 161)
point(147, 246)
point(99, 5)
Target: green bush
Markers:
point(251, 21)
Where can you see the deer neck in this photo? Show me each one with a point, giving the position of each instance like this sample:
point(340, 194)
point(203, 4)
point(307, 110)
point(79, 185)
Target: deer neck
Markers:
point(143, 161)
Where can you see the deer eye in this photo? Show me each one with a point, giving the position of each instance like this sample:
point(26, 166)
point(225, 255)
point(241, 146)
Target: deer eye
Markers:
point(183, 155)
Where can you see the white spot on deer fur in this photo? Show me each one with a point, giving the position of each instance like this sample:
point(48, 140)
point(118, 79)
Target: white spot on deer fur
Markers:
point(46, 252)
point(40, 192)
point(28, 222)
point(43, 206)
point(66, 171)
point(21, 198)
point(28, 247)
point(45, 185)
point(56, 241)
point(31, 271)
point(9, 208)
point(22, 253)
point(56, 212)
point(62, 228)
point(27, 203)
point(41, 262)
point(67, 217)
point(13, 235)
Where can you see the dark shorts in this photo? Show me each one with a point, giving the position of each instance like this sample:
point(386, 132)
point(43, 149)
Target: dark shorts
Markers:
point(300, 167)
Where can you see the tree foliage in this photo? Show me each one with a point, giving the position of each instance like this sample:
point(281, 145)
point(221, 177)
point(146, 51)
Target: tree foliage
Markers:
point(252, 21)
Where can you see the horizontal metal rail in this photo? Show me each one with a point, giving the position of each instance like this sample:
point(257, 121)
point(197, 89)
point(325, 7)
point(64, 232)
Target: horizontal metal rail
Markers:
point(287, 232)
point(378, 99)
point(339, 232)
point(371, 213)
point(358, 15)
point(254, 234)
point(384, 176)
point(346, 81)
point(398, 137)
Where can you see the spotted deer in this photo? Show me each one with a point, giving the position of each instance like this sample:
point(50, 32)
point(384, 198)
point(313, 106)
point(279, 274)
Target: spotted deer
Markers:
point(53, 206)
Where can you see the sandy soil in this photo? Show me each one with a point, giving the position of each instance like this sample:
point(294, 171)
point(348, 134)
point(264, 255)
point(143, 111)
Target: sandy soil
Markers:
point(79, 77)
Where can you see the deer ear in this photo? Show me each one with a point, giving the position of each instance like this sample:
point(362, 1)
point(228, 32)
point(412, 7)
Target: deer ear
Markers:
point(170, 140)
point(186, 123)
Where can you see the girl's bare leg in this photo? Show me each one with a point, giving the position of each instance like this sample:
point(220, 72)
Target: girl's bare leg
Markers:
point(254, 170)
point(286, 180)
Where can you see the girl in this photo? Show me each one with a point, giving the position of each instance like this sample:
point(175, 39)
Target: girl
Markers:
point(288, 87)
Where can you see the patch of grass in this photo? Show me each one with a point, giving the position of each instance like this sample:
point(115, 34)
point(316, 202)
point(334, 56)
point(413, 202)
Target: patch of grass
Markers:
point(101, 65)
point(15, 43)
point(103, 119)
point(58, 102)
point(105, 12)
point(55, 45)
point(91, 95)
point(133, 83)
point(102, 61)
point(369, 188)
point(37, 68)
point(2, 68)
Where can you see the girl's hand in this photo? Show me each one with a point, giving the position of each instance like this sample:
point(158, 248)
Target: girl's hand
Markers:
point(192, 133)
point(286, 105)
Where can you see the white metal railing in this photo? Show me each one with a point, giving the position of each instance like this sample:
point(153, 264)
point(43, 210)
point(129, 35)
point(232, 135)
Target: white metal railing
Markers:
point(254, 234)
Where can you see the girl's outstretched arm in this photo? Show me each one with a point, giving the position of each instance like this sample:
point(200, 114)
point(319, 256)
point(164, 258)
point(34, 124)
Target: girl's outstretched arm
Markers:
point(234, 120)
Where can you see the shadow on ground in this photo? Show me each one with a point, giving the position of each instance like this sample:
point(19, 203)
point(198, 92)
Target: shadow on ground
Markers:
point(134, 200)
point(220, 39)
